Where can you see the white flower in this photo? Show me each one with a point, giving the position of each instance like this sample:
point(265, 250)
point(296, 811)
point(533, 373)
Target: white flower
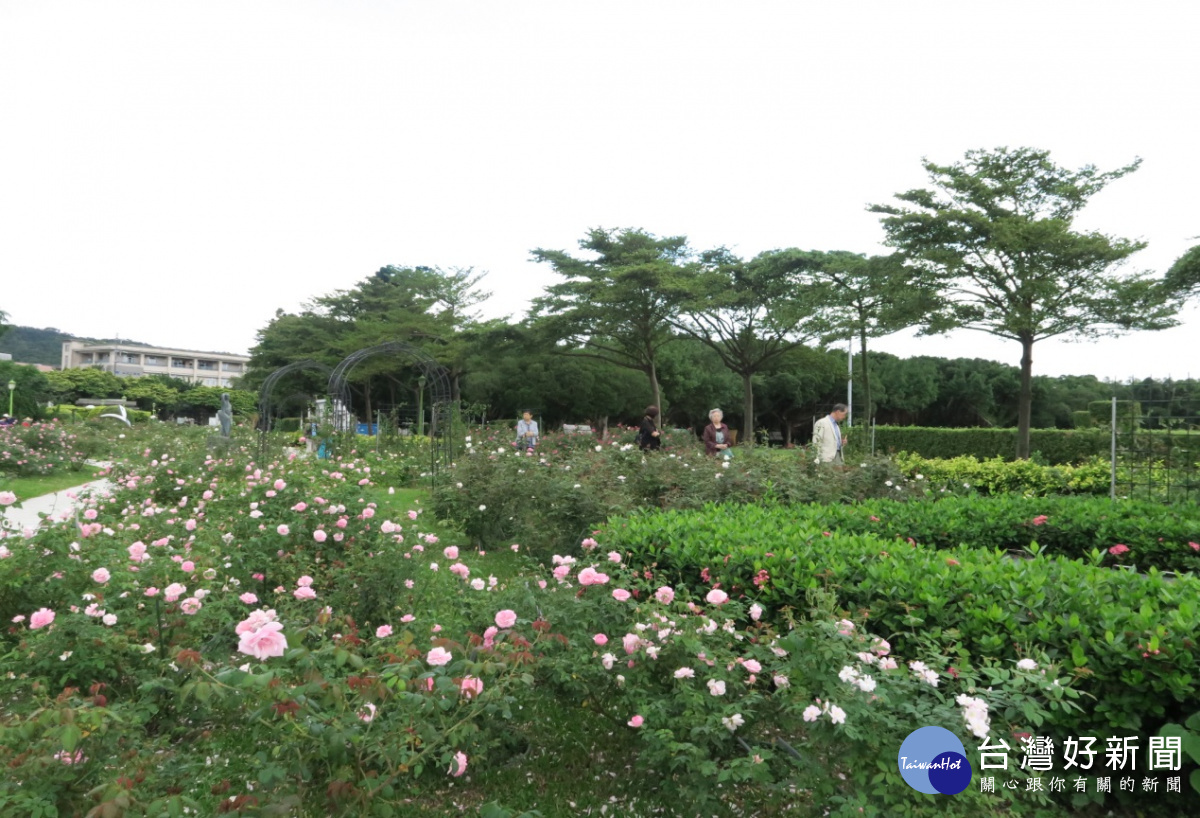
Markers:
point(148, 648)
point(64, 657)
point(812, 713)
point(1027, 664)
point(599, 448)
point(782, 681)
point(848, 674)
point(887, 483)
point(716, 687)
point(607, 660)
point(733, 722)
point(866, 684)
point(483, 508)
point(110, 619)
point(836, 714)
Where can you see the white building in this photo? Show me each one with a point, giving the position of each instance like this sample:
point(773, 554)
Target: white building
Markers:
point(133, 360)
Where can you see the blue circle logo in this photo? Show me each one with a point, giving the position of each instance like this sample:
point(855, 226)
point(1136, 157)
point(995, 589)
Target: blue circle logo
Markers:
point(933, 760)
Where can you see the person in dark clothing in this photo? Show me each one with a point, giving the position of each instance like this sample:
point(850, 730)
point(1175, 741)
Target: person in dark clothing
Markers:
point(716, 434)
point(648, 435)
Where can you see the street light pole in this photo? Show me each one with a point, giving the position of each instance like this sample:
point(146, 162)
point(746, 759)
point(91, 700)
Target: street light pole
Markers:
point(12, 388)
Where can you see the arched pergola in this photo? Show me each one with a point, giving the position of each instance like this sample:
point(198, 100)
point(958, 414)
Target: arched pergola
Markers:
point(435, 379)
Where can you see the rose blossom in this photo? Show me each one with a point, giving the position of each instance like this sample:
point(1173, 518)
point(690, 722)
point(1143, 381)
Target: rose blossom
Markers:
point(438, 656)
point(506, 618)
point(263, 643)
point(716, 597)
point(665, 595)
point(40, 618)
point(101, 575)
point(383, 631)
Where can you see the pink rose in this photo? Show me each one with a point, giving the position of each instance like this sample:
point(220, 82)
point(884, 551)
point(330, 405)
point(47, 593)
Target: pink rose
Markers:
point(101, 575)
point(590, 576)
point(40, 618)
point(319, 535)
point(383, 631)
point(506, 618)
point(188, 566)
point(438, 656)
point(716, 597)
point(412, 515)
point(137, 551)
point(665, 595)
point(752, 665)
point(1040, 519)
point(600, 639)
point(304, 581)
point(471, 687)
point(249, 598)
point(458, 765)
point(304, 592)
point(620, 594)
point(1118, 549)
point(451, 552)
point(636, 721)
point(263, 643)
point(7, 498)
point(283, 529)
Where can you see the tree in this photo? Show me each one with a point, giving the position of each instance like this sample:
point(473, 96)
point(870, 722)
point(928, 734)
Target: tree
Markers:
point(618, 305)
point(750, 314)
point(1184, 275)
point(4, 325)
point(995, 237)
point(70, 385)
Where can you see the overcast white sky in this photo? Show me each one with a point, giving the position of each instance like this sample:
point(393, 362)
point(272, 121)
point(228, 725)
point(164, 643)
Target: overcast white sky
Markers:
point(174, 172)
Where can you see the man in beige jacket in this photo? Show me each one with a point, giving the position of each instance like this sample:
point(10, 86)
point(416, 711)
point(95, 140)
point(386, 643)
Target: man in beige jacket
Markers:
point(827, 436)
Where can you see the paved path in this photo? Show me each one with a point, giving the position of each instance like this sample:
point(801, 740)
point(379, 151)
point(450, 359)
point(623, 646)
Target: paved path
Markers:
point(57, 505)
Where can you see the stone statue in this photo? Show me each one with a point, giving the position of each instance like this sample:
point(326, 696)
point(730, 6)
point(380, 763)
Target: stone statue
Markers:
point(225, 415)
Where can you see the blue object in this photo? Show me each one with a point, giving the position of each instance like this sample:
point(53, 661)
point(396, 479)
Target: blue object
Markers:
point(367, 428)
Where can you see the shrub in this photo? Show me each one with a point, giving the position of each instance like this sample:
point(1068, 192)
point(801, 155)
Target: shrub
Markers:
point(1055, 446)
point(557, 496)
point(998, 476)
point(1143, 535)
point(1127, 639)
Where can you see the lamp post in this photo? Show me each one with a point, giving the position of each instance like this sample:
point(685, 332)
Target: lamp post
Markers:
point(12, 387)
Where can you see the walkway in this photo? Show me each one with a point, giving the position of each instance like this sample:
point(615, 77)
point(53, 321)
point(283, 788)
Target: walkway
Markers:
point(56, 505)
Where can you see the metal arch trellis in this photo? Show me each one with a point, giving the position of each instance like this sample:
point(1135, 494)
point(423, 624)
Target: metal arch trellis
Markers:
point(266, 394)
point(437, 381)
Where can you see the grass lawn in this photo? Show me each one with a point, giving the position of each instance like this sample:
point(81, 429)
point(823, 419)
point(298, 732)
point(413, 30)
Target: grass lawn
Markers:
point(28, 487)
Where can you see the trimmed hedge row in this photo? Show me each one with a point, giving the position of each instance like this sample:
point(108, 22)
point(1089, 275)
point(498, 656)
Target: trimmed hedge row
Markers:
point(1153, 535)
point(1127, 638)
point(997, 476)
point(1054, 446)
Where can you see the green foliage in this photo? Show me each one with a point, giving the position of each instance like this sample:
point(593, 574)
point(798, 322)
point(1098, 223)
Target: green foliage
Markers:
point(70, 385)
point(1184, 274)
point(995, 236)
point(31, 393)
point(1056, 446)
point(997, 476)
point(552, 500)
point(1154, 536)
point(43, 448)
point(1125, 638)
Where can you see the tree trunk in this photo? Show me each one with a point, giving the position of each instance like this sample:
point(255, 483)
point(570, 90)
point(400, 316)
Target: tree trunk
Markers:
point(652, 371)
point(787, 434)
point(747, 408)
point(1025, 401)
point(866, 375)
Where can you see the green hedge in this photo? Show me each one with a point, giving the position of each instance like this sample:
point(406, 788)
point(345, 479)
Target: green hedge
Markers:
point(1053, 446)
point(67, 413)
point(1157, 536)
point(1095, 623)
point(998, 476)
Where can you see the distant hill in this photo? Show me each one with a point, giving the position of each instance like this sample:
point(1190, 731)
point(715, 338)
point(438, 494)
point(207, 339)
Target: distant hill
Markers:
point(30, 345)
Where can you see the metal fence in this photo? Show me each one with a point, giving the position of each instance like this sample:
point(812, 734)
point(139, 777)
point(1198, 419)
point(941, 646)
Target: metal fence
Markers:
point(1155, 450)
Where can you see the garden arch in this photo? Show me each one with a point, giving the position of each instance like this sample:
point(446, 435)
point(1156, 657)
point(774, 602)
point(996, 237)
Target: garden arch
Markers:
point(435, 379)
point(266, 394)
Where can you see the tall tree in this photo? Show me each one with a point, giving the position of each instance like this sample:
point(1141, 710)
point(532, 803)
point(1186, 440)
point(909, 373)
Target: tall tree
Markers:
point(618, 304)
point(995, 236)
point(750, 313)
point(857, 295)
point(4, 325)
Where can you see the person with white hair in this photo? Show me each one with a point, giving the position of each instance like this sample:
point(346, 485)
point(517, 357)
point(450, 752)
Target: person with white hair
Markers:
point(716, 435)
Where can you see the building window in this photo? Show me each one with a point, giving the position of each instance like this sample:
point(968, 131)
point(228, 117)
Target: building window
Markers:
point(85, 357)
point(207, 365)
point(154, 360)
point(181, 363)
point(101, 357)
point(233, 367)
point(131, 359)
